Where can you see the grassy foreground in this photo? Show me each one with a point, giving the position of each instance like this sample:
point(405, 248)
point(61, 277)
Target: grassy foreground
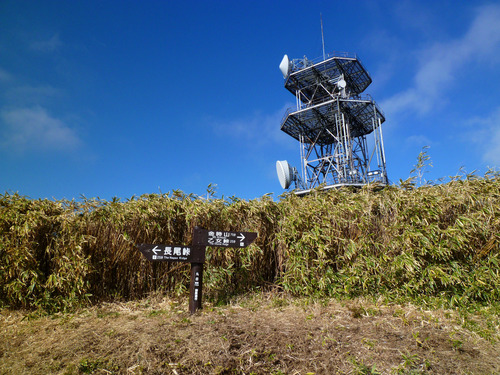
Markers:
point(257, 334)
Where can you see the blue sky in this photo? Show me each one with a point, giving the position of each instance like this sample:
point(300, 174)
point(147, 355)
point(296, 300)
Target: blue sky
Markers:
point(122, 98)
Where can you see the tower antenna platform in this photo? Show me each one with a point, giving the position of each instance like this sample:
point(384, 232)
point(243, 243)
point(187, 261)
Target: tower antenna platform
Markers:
point(332, 122)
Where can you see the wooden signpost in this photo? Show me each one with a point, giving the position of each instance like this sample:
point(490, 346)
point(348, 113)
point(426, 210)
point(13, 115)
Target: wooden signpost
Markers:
point(195, 254)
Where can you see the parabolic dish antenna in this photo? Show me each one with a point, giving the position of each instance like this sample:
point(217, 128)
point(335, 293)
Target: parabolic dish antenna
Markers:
point(285, 66)
point(341, 84)
point(285, 173)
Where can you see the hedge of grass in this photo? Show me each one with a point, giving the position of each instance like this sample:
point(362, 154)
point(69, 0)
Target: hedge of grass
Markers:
point(437, 242)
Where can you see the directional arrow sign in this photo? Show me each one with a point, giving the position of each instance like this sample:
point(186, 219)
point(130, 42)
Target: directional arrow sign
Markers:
point(216, 238)
point(195, 254)
point(173, 253)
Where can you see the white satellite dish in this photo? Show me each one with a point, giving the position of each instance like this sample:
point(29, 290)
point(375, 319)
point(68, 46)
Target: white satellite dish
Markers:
point(341, 84)
point(285, 173)
point(285, 66)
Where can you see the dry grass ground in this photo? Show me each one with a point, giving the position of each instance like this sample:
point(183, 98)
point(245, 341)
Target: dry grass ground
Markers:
point(267, 334)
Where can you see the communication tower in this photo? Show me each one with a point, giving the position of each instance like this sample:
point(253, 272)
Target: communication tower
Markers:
point(332, 122)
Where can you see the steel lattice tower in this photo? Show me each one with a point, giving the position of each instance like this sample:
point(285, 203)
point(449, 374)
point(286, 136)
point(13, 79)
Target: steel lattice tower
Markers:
point(332, 122)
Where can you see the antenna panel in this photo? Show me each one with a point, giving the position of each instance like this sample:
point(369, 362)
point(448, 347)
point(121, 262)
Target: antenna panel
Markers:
point(285, 173)
point(285, 66)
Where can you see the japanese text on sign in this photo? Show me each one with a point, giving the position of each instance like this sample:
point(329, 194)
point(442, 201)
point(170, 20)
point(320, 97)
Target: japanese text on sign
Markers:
point(173, 253)
point(232, 239)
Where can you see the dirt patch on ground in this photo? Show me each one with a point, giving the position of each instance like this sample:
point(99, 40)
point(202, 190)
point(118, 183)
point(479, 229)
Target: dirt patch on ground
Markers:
point(264, 335)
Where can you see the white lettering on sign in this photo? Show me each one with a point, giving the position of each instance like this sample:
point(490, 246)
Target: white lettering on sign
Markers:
point(241, 237)
point(215, 241)
point(226, 239)
point(186, 251)
point(168, 250)
point(177, 251)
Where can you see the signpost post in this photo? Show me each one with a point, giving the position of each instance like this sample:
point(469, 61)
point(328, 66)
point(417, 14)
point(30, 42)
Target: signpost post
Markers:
point(195, 287)
point(195, 254)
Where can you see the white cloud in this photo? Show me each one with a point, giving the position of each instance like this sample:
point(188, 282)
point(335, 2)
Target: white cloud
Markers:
point(492, 155)
point(259, 128)
point(33, 129)
point(24, 96)
point(486, 134)
point(440, 62)
point(4, 75)
point(418, 140)
point(47, 45)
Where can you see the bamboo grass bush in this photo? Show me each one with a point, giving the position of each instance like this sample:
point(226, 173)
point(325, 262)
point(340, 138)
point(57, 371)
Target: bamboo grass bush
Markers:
point(440, 242)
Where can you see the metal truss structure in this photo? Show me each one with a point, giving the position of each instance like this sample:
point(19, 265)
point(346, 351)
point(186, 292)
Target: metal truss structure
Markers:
point(332, 123)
